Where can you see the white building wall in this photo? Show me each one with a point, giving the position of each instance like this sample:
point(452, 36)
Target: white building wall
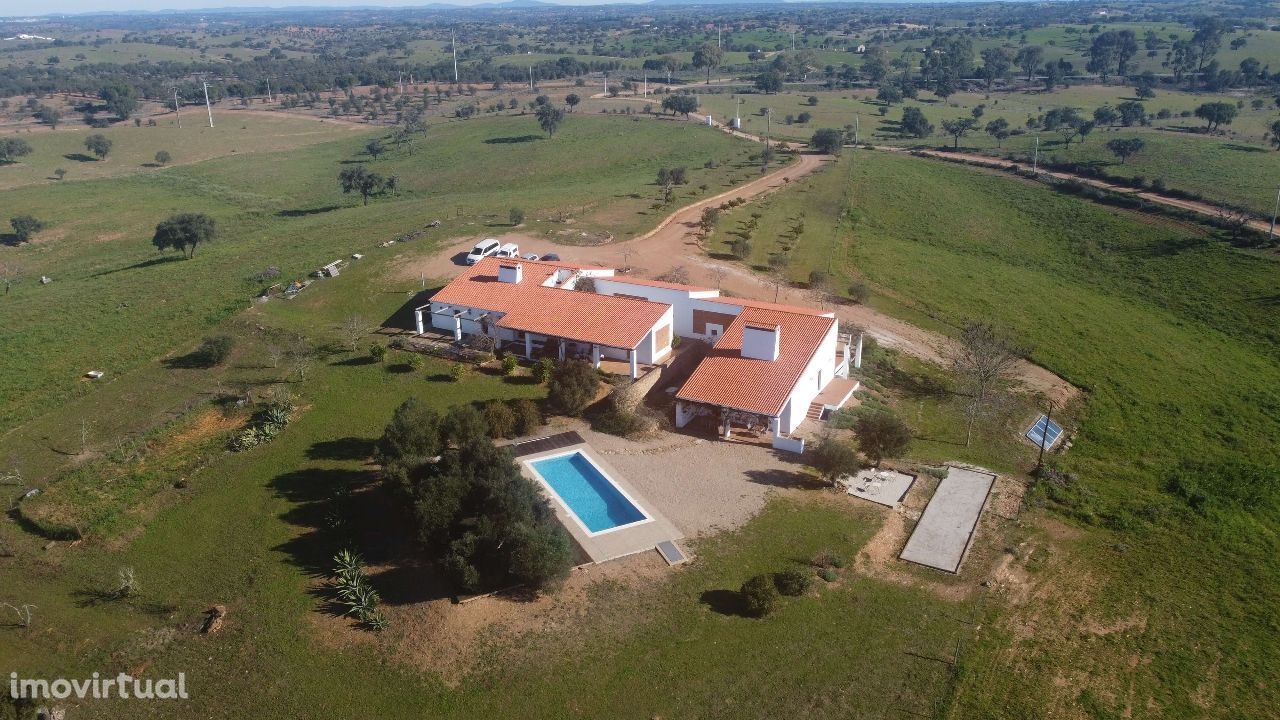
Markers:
point(820, 371)
point(681, 301)
point(647, 351)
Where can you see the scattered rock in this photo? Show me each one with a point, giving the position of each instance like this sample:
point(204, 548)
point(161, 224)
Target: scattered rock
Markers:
point(213, 619)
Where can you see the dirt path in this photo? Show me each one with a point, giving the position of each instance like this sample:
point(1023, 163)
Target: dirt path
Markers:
point(1206, 209)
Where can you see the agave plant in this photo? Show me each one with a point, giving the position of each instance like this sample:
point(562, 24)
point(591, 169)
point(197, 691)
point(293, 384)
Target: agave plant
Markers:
point(349, 563)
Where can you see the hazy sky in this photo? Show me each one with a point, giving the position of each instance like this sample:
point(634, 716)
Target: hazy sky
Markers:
point(18, 8)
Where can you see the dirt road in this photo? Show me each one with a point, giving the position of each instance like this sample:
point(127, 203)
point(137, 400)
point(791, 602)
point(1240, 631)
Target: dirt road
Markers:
point(1203, 208)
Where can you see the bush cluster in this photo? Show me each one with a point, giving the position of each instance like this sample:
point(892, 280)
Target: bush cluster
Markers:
point(354, 591)
point(479, 519)
point(264, 426)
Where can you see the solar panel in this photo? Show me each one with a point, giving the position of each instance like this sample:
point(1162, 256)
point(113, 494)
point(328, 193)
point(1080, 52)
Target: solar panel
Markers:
point(1044, 431)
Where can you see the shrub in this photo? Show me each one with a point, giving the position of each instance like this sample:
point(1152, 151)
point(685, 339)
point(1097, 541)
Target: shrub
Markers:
point(618, 421)
point(457, 372)
point(792, 582)
point(882, 435)
point(543, 371)
point(213, 350)
point(527, 419)
point(858, 292)
point(827, 559)
point(759, 596)
point(378, 352)
point(828, 574)
point(516, 216)
point(573, 386)
point(500, 419)
point(509, 364)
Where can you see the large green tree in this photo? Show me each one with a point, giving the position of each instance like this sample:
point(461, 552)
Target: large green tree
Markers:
point(360, 180)
point(707, 57)
point(183, 232)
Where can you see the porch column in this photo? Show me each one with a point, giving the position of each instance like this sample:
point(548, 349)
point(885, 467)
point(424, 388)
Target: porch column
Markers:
point(417, 321)
point(561, 342)
point(727, 433)
point(528, 346)
point(857, 354)
point(634, 370)
point(775, 424)
point(457, 327)
point(595, 356)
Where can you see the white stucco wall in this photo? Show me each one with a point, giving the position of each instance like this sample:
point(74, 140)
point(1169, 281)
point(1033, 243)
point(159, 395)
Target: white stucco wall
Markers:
point(820, 371)
point(681, 301)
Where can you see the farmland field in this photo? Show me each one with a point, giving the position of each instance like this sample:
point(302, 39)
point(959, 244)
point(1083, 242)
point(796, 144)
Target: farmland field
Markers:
point(286, 209)
point(1071, 280)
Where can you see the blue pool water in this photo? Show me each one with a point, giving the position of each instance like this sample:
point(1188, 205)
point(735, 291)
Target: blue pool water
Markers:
point(589, 494)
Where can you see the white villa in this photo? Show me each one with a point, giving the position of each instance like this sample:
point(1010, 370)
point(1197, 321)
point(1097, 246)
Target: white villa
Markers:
point(768, 366)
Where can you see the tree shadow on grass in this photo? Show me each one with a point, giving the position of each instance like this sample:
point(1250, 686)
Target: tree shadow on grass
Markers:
point(162, 260)
point(725, 602)
point(520, 380)
point(10, 239)
point(347, 448)
point(80, 157)
point(1244, 148)
point(319, 497)
point(783, 478)
point(194, 360)
point(357, 361)
point(303, 212)
point(402, 368)
point(512, 140)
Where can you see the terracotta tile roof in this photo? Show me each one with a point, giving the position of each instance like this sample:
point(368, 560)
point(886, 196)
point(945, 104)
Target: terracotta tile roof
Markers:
point(528, 306)
point(726, 379)
point(763, 305)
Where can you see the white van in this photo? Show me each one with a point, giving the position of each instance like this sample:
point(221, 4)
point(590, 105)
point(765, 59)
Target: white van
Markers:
point(510, 250)
point(482, 250)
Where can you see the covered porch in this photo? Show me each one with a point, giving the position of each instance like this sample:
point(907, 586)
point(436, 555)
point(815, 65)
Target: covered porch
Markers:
point(613, 360)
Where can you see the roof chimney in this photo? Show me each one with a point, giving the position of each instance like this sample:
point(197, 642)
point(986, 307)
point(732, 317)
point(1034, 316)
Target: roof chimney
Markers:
point(760, 342)
point(510, 272)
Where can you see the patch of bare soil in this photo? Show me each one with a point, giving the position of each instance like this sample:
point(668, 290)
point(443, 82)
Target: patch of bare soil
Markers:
point(456, 640)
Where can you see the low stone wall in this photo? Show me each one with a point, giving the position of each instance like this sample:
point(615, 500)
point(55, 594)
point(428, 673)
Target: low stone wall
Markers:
point(631, 395)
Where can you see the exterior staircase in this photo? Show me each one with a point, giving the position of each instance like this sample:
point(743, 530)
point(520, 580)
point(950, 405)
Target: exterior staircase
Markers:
point(815, 411)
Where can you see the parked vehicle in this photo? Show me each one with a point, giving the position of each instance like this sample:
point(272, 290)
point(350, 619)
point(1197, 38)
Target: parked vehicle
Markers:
point(482, 250)
point(551, 257)
point(510, 250)
point(531, 256)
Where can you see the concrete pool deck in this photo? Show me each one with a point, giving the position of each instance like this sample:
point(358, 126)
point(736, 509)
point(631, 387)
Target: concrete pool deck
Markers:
point(639, 537)
point(945, 531)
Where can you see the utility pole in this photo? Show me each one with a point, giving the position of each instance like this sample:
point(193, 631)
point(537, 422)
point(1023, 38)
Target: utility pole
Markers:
point(857, 121)
point(718, 35)
point(270, 99)
point(207, 106)
point(737, 114)
point(646, 85)
point(530, 78)
point(453, 43)
point(606, 82)
point(1271, 234)
point(176, 114)
point(1035, 160)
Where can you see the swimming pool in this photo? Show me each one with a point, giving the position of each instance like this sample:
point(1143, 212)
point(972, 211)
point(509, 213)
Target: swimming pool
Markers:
point(595, 501)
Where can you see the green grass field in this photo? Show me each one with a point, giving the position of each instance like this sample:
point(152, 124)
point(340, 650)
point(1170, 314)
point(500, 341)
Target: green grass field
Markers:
point(286, 209)
point(134, 149)
point(246, 533)
point(1173, 336)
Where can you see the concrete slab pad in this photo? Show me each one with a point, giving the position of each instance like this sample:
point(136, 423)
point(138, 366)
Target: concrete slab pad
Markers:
point(883, 487)
point(945, 531)
point(626, 540)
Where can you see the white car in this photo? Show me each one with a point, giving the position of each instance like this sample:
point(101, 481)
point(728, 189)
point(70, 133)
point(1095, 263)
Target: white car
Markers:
point(482, 250)
point(510, 250)
point(531, 256)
